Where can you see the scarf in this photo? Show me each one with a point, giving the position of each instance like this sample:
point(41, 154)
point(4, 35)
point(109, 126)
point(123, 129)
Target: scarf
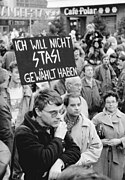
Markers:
point(70, 122)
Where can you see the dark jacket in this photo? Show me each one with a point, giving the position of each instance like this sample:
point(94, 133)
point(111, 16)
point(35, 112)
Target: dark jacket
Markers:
point(6, 134)
point(38, 150)
point(92, 38)
point(91, 94)
point(106, 75)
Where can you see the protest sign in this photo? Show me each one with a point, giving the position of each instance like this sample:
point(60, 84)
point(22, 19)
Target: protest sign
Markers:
point(44, 58)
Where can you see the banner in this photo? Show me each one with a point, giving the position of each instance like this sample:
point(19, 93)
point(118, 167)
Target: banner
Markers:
point(44, 58)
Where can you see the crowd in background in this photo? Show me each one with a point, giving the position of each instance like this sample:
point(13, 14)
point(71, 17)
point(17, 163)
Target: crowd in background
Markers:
point(98, 94)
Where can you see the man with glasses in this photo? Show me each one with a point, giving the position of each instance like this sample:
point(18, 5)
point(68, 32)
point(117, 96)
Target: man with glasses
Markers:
point(44, 146)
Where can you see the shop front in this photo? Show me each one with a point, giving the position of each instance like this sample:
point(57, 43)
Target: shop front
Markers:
point(78, 17)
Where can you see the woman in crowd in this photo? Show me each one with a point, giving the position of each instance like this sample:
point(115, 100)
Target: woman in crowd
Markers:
point(110, 125)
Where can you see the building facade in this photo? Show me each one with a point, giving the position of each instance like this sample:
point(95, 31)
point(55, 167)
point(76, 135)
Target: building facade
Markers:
point(19, 13)
point(78, 14)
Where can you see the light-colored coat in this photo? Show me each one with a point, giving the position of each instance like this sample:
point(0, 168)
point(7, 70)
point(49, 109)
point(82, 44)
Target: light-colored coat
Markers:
point(112, 160)
point(84, 134)
point(26, 103)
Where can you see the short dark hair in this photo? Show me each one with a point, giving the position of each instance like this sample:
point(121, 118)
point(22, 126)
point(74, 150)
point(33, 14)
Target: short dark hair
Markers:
point(75, 48)
point(13, 65)
point(70, 95)
point(109, 94)
point(46, 96)
point(87, 65)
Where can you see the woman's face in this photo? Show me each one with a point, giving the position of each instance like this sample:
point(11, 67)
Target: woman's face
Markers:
point(111, 104)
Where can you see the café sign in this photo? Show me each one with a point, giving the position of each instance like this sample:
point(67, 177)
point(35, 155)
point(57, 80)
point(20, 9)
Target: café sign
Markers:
point(88, 10)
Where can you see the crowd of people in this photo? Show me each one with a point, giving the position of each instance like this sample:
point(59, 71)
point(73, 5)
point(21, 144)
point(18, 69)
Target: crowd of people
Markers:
point(67, 129)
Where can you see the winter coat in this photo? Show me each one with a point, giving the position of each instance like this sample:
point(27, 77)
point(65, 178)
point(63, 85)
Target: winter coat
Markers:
point(26, 104)
point(91, 95)
point(112, 160)
point(38, 150)
point(85, 135)
point(106, 75)
point(5, 157)
point(92, 38)
point(6, 134)
point(121, 83)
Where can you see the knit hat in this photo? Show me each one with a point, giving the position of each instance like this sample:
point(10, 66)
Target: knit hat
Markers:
point(3, 75)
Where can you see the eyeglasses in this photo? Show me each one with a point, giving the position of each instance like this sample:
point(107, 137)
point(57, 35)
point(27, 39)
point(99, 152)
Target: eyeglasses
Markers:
point(111, 102)
point(55, 113)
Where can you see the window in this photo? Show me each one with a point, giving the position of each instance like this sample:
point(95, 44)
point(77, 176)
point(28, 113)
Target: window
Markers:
point(110, 22)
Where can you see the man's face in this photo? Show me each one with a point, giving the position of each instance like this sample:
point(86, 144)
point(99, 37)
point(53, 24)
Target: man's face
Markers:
point(76, 86)
point(88, 71)
point(76, 54)
point(106, 60)
point(111, 104)
point(15, 76)
point(51, 115)
point(74, 106)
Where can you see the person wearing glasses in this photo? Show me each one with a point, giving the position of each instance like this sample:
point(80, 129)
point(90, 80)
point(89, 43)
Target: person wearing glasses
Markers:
point(111, 129)
point(44, 146)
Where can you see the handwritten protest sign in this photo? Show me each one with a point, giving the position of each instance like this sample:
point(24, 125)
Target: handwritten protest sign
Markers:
point(44, 58)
